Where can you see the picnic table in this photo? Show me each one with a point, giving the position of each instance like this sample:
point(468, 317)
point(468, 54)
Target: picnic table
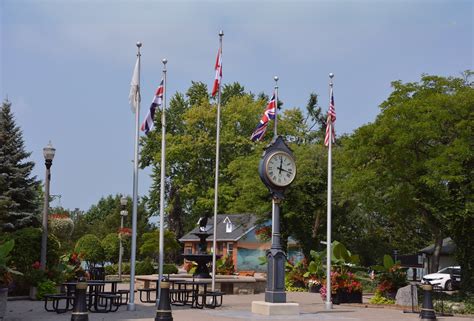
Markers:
point(98, 300)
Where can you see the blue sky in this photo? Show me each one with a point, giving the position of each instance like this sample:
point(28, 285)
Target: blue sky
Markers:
point(66, 67)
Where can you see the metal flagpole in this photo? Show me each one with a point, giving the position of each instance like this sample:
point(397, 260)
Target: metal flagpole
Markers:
point(216, 184)
point(275, 133)
point(131, 304)
point(162, 182)
point(328, 303)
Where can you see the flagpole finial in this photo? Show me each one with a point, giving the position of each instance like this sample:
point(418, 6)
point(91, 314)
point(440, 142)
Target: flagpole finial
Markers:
point(331, 75)
point(139, 44)
point(275, 78)
point(221, 33)
point(164, 61)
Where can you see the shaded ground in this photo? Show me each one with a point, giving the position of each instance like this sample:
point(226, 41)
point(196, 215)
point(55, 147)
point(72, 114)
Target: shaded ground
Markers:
point(235, 307)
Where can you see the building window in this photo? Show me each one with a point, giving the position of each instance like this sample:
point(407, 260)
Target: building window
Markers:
point(228, 225)
point(188, 250)
point(230, 249)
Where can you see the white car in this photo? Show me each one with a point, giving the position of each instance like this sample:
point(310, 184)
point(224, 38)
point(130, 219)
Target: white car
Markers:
point(445, 278)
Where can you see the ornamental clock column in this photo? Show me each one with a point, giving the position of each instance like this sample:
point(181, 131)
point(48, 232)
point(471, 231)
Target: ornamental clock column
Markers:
point(277, 169)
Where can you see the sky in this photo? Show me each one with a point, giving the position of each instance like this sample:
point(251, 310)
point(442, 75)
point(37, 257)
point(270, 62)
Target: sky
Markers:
point(66, 67)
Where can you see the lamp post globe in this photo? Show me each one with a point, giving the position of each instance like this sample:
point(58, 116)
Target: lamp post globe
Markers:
point(48, 152)
point(123, 214)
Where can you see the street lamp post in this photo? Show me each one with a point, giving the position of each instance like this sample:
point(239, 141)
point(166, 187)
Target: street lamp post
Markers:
point(123, 213)
point(48, 153)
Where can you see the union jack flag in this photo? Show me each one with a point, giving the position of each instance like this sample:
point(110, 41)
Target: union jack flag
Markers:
point(268, 114)
point(147, 124)
point(330, 131)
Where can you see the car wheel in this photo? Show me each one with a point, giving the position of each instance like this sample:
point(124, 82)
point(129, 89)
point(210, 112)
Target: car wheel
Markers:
point(448, 286)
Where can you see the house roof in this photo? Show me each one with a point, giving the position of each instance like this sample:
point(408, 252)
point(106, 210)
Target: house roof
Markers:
point(447, 248)
point(241, 225)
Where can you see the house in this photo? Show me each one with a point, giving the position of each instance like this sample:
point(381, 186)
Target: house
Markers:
point(446, 258)
point(238, 236)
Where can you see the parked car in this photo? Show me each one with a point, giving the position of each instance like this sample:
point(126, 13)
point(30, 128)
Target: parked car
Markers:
point(447, 278)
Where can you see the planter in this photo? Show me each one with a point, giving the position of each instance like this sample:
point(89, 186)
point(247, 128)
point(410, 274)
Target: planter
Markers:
point(347, 297)
point(3, 302)
point(33, 292)
point(314, 288)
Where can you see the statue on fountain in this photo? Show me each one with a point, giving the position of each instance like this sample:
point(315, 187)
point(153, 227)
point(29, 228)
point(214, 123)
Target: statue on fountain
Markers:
point(202, 222)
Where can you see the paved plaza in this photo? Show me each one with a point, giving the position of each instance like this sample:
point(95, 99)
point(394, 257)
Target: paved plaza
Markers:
point(235, 307)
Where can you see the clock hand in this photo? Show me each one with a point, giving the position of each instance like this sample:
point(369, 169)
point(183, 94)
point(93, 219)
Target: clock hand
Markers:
point(281, 164)
point(282, 169)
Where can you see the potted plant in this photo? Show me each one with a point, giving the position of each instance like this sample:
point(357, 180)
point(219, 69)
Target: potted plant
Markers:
point(34, 276)
point(391, 276)
point(6, 274)
point(315, 272)
point(345, 288)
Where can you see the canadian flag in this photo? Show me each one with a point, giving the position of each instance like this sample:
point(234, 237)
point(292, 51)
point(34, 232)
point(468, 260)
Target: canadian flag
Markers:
point(218, 67)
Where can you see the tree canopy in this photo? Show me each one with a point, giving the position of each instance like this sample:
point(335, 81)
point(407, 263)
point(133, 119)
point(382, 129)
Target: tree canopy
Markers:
point(19, 191)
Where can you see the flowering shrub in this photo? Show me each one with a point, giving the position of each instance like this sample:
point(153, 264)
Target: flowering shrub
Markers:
point(124, 232)
point(61, 225)
point(264, 233)
point(70, 266)
point(391, 277)
point(35, 275)
point(344, 282)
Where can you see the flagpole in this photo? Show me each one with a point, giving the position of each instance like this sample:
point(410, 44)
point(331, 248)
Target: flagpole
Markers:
point(328, 303)
point(131, 304)
point(162, 182)
point(275, 123)
point(216, 183)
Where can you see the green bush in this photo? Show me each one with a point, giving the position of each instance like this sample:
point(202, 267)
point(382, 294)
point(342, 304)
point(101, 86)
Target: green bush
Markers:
point(27, 249)
point(46, 287)
point(144, 267)
point(170, 268)
point(125, 268)
point(111, 269)
point(378, 298)
point(111, 245)
point(90, 249)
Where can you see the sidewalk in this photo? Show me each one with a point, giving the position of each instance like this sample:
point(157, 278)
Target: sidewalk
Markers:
point(235, 308)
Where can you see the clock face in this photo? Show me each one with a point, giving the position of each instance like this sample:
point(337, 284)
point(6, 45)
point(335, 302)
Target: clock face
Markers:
point(280, 169)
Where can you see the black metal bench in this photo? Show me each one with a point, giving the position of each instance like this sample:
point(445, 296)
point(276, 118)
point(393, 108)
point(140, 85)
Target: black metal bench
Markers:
point(124, 295)
point(107, 302)
point(181, 296)
point(148, 292)
point(216, 299)
point(55, 300)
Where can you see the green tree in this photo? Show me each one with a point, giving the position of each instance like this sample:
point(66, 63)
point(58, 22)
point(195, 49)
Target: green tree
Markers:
point(19, 201)
point(151, 245)
point(411, 169)
point(104, 218)
point(90, 249)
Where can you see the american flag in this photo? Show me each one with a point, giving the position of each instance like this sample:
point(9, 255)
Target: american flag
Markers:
point(147, 124)
point(268, 114)
point(218, 69)
point(330, 131)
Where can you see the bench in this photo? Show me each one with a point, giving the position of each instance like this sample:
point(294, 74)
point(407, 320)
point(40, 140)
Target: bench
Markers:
point(214, 302)
point(124, 295)
point(148, 292)
point(55, 300)
point(107, 302)
point(181, 296)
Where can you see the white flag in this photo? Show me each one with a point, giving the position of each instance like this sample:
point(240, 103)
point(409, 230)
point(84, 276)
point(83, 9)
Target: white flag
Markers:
point(134, 96)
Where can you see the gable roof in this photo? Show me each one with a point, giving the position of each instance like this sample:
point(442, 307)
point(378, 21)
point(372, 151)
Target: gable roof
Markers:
point(241, 223)
point(447, 248)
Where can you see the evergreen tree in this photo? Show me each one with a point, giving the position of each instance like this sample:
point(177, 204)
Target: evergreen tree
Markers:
point(19, 202)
